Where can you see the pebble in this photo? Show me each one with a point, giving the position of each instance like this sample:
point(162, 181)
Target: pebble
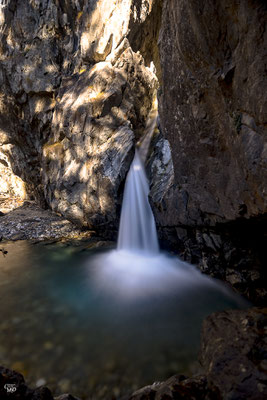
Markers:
point(16, 320)
point(64, 385)
point(48, 345)
point(19, 366)
point(116, 392)
point(40, 382)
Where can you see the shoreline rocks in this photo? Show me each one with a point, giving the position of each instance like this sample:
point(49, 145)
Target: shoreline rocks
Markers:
point(233, 252)
point(30, 222)
point(13, 386)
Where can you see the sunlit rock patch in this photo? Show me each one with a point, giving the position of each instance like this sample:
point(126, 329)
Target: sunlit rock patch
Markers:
point(92, 139)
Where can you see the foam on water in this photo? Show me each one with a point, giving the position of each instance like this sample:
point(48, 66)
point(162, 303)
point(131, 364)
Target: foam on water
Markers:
point(131, 274)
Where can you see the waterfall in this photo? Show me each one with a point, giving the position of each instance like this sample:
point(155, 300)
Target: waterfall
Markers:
point(144, 142)
point(137, 231)
point(137, 269)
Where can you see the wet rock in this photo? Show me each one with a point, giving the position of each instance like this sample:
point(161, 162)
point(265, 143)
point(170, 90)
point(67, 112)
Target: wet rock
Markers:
point(161, 172)
point(12, 385)
point(66, 397)
point(233, 252)
point(64, 385)
point(176, 387)
point(40, 382)
point(42, 393)
point(233, 353)
point(11, 382)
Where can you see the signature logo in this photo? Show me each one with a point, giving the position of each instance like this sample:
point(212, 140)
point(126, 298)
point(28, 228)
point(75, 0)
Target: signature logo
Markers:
point(10, 387)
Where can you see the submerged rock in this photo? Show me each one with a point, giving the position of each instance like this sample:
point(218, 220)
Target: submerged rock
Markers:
point(233, 355)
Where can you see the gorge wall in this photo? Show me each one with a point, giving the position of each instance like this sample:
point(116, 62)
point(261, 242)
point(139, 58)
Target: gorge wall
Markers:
point(78, 79)
point(213, 112)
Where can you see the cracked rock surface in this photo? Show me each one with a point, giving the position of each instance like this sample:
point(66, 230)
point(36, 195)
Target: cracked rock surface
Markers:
point(29, 221)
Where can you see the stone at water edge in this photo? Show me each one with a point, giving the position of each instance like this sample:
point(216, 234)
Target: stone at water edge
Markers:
point(66, 397)
point(11, 380)
point(176, 387)
point(13, 386)
point(234, 353)
point(234, 356)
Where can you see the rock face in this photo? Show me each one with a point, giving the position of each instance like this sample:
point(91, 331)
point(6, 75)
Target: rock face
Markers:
point(213, 112)
point(213, 107)
point(74, 98)
point(233, 353)
point(89, 150)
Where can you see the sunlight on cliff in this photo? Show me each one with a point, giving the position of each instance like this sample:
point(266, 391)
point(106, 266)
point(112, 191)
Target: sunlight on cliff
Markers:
point(11, 186)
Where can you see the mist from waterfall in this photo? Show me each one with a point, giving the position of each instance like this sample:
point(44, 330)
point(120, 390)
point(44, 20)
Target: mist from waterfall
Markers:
point(137, 230)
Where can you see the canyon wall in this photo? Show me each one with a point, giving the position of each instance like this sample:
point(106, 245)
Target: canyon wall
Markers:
point(213, 112)
point(77, 82)
point(75, 98)
point(213, 108)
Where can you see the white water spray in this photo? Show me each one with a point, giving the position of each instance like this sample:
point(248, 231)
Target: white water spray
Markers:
point(137, 230)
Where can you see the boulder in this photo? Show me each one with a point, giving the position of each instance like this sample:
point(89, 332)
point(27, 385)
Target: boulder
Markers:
point(234, 353)
point(177, 387)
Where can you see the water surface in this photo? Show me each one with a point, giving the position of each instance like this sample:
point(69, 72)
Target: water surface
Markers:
point(74, 324)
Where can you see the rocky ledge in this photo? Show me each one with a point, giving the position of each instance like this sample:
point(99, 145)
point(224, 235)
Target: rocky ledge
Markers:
point(29, 221)
point(233, 355)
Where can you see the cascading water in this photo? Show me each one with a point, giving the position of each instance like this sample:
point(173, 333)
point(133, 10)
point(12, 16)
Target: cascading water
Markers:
point(137, 268)
point(137, 230)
